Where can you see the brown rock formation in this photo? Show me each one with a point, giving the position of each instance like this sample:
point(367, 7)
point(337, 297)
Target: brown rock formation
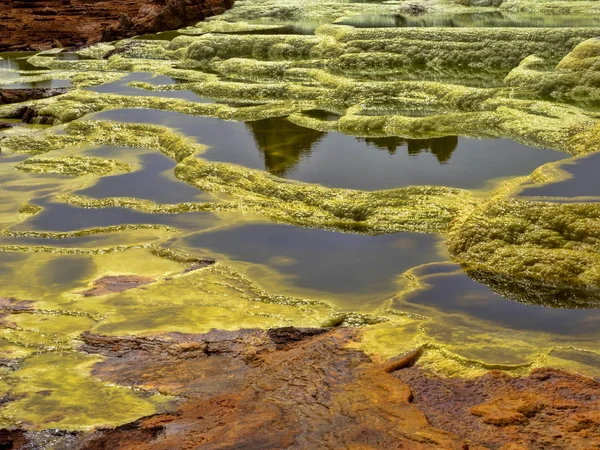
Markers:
point(256, 390)
point(310, 388)
point(549, 409)
point(8, 96)
point(291, 388)
point(22, 95)
point(14, 305)
point(12, 439)
point(44, 24)
point(27, 113)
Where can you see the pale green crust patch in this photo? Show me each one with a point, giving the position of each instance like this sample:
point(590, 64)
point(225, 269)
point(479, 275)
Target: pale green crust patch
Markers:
point(73, 165)
point(58, 391)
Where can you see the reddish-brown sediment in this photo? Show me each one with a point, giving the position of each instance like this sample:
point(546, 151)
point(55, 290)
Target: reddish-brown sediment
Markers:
point(550, 409)
point(44, 24)
point(9, 306)
point(257, 390)
point(14, 305)
point(119, 283)
point(311, 388)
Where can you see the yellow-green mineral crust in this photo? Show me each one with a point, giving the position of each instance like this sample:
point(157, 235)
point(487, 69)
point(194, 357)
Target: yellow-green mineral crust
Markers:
point(73, 165)
point(537, 252)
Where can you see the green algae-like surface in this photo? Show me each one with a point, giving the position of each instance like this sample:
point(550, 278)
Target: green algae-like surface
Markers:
point(428, 178)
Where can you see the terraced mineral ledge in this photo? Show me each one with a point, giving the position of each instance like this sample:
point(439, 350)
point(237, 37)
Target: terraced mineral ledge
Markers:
point(305, 224)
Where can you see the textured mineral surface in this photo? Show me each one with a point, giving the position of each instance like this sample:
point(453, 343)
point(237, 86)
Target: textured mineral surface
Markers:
point(303, 224)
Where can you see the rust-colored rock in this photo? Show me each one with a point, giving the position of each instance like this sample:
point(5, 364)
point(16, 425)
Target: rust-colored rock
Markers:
point(161, 15)
point(255, 390)
point(12, 439)
point(403, 361)
point(510, 409)
point(549, 409)
point(44, 24)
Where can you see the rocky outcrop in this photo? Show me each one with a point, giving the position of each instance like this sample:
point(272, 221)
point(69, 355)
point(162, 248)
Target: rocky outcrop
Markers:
point(161, 15)
point(27, 113)
point(44, 24)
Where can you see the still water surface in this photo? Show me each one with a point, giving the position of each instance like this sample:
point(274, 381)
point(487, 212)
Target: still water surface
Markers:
point(337, 160)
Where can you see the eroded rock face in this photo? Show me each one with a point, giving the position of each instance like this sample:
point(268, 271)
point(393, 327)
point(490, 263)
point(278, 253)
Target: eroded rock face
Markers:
point(44, 24)
point(27, 113)
point(161, 15)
